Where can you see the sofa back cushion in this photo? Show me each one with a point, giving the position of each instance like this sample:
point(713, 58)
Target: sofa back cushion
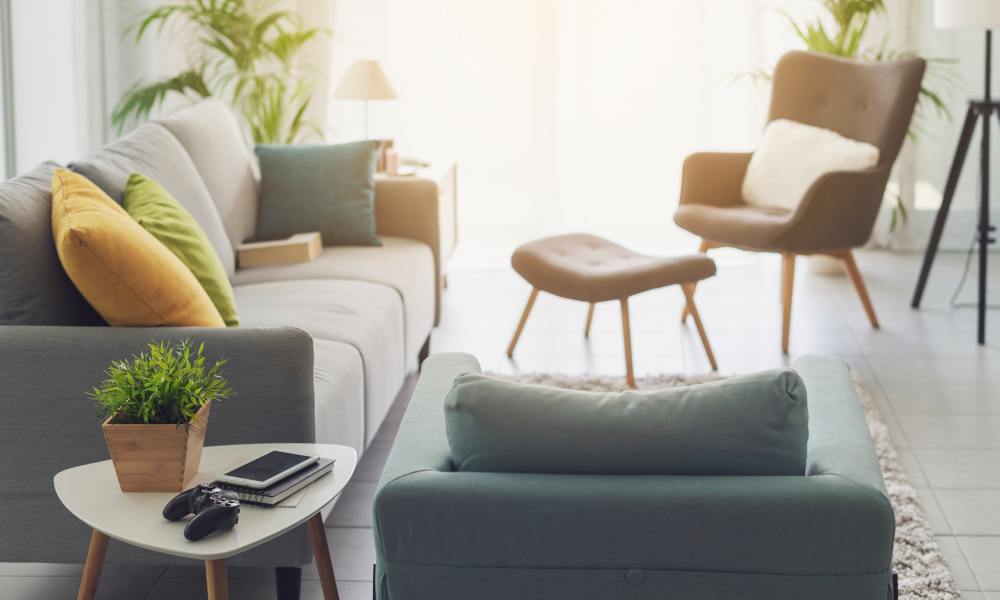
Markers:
point(34, 287)
point(153, 151)
point(749, 425)
point(210, 134)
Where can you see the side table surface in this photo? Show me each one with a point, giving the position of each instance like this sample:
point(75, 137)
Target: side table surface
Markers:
point(92, 494)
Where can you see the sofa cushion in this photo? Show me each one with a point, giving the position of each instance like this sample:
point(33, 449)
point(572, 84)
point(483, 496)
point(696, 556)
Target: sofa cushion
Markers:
point(400, 263)
point(340, 394)
point(165, 219)
point(325, 188)
point(154, 152)
point(34, 287)
point(749, 425)
point(365, 315)
point(124, 272)
point(211, 135)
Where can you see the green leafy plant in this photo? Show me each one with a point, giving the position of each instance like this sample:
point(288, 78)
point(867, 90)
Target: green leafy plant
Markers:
point(246, 53)
point(167, 386)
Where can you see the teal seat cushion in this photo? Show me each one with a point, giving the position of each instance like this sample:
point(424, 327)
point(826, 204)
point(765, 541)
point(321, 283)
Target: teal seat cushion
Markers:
point(749, 425)
point(325, 188)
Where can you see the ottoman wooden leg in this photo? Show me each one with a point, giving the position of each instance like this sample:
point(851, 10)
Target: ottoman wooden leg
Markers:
point(705, 247)
point(524, 319)
point(689, 294)
point(590, 317)
point(95, 562)
point(629, 378)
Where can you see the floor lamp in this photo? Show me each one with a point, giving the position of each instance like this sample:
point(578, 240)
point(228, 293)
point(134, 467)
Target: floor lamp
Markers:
point(968, 14)
point(365, 80)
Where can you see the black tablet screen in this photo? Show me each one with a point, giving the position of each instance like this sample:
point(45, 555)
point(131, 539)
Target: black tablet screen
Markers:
point(267, 466)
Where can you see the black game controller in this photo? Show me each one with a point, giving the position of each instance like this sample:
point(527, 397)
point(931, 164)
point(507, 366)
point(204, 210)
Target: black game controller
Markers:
point(212, 509)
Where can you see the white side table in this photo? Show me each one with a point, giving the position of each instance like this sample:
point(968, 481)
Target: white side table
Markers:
point(92, 494)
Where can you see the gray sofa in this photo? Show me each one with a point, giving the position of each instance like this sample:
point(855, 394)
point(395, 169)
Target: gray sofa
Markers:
point(322, 350)
point(447, 535)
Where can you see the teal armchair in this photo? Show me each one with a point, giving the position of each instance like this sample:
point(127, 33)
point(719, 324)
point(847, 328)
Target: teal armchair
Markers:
point(449, 535)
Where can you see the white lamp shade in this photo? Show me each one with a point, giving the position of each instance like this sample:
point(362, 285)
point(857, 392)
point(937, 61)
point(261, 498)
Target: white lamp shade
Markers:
point(967, 14)
point(365, 80)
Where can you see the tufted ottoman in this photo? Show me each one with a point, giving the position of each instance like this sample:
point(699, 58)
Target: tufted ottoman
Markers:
point(592, 269)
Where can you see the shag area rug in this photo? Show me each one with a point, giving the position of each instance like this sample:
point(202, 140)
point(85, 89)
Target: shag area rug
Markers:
point(923, 574)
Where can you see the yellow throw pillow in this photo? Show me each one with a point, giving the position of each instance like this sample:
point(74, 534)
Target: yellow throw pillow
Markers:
point(128, 276)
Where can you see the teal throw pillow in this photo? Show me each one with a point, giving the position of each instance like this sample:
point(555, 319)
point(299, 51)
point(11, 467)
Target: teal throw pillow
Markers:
point(749, 425)
point(325, 188)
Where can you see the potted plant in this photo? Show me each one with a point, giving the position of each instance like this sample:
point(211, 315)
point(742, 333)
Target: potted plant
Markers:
point(155, 411)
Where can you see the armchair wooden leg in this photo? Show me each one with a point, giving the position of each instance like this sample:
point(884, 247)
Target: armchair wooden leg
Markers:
point(689, 294)
point(524, 319)
point(787, 283)
point(859, 283)
point(218, 584)
point(95, 562)
point(705, 247)
point(590, 317)
point(629, 377)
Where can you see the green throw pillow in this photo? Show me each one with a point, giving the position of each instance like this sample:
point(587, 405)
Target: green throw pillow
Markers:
point(164, 217)
point(327, 188)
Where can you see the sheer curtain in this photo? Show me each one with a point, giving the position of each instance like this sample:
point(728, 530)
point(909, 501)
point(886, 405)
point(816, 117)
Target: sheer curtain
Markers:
point(563, 115)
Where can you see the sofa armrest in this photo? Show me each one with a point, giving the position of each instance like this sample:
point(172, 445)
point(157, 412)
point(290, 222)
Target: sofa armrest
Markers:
point(46, 372)
point(714, 178)
point(422, 209)
point(839, 440)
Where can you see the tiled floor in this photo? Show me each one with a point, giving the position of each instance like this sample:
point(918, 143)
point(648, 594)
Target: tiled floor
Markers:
point(937, 389)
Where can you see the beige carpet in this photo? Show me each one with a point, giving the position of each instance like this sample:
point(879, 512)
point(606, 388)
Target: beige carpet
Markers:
point(917, 558)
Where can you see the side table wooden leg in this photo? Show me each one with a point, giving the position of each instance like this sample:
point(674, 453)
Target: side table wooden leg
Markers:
point(92, 570)
point(324, 564)
point(218, 584)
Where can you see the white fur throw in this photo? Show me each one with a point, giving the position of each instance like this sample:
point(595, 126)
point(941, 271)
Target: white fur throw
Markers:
point(792, 156)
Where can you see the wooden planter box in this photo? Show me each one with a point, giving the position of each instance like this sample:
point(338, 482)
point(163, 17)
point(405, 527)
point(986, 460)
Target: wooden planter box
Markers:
point(156, 458)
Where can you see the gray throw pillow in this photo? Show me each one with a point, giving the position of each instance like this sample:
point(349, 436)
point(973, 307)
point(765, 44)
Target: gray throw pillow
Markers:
point(749, 425)
point(34, 287)
point(328, 188)
point(153, 151)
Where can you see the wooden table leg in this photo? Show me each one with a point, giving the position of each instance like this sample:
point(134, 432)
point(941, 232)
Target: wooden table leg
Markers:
point(321, 550)
point(95, 562)
point(218, 585)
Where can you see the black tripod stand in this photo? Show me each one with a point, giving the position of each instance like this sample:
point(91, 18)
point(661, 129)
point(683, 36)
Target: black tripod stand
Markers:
point(978, 110)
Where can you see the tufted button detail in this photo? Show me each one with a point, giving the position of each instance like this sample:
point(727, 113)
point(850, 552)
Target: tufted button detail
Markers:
point(634, 576)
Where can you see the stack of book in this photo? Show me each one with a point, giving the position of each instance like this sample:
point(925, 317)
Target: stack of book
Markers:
point(282, 489)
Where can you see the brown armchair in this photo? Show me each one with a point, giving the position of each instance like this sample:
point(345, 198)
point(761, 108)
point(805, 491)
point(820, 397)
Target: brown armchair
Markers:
point(869, 102)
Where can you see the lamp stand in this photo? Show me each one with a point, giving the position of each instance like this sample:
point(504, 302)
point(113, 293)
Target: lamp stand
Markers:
point(978, 110)
point(366, 119)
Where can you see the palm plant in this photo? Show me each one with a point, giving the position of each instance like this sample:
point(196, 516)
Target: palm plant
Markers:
point(246, 53)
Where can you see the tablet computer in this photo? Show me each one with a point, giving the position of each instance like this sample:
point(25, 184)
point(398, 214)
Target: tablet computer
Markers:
point(267, 468)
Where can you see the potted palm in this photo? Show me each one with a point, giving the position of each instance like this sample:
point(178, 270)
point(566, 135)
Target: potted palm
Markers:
point(155, 414)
